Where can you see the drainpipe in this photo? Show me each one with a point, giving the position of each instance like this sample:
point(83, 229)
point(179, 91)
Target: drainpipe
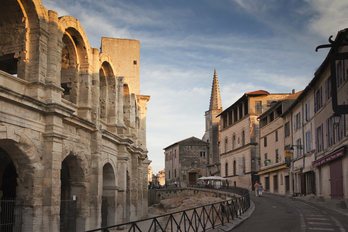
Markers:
point(292, 142)
point(303, 134)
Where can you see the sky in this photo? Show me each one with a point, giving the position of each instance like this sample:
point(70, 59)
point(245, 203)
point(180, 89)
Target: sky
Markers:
point(253, 45)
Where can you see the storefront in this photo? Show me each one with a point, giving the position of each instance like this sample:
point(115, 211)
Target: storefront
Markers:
point(332, 165)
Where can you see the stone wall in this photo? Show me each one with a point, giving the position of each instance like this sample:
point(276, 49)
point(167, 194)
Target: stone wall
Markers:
point(72, 122)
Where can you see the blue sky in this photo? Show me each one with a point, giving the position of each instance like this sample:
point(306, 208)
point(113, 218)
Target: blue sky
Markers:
point(253, 44)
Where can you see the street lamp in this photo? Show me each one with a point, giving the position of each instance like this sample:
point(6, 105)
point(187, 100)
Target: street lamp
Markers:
point(292, 149)
point(336, 117)
point(334, 55)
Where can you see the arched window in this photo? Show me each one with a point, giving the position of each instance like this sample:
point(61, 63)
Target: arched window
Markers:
point(234, 168)
point(226, 169)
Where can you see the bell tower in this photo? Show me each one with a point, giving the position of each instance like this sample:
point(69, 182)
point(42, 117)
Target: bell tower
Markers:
point(212, 128)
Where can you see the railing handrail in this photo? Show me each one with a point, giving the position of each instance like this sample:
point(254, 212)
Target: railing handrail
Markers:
point(235, 208)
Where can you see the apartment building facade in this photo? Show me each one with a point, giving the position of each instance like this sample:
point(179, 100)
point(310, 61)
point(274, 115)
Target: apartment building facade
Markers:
point(319, 146)
point(239, 145)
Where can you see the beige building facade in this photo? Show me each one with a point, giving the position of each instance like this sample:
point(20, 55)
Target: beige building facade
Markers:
point(275, 163)
point(318, 166)
point(240, 136)
point(72, 123)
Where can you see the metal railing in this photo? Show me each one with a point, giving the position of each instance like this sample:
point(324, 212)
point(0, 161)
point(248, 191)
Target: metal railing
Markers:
point(11, 211)
point(196, 219)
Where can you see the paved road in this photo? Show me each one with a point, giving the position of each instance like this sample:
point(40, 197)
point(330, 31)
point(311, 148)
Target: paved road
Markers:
point(283, 214)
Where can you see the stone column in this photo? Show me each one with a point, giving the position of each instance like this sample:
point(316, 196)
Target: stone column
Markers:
point(134, 183)
point(54, 51)
point(95, 89)
point(96, 182)
point(52, 161)
point(142, 99)
point(145, 180)
point(122, 188)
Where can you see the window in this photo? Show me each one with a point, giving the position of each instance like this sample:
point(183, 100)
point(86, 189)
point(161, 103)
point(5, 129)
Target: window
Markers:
point(271, 117)
point(319, 138)
point(276, 135)
point(234, 168)
point(235, 114)
point(266, 160)
point(240, 109)
point(234, 142)
point(277, 156)
point(226, 145)
point(225, 121)
point(328, 88)
point(243, 138)
point(287, 129)
point(297, 121)
point(318, 100)
point(265, 141)
point(202, 153)
point(307, 112)
point(175, 153)
point(308, 141)
point(226, 169)
point(258, 107)
point(340, 73)
point(230, 118)
point(298, 148)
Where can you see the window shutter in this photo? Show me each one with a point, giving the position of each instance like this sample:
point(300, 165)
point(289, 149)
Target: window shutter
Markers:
point(326, 89)
point(316, 140)
point(315, 102)
point(320, 97)
point(327, 132)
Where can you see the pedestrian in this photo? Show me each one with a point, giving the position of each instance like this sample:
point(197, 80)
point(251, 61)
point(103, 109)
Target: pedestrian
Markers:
point(256, 187)
point(260, 189)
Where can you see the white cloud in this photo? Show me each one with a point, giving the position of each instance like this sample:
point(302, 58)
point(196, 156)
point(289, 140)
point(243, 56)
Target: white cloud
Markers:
point(330, 17)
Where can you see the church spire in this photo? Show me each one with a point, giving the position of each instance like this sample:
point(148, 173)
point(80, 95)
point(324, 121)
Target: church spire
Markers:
point(215, 99)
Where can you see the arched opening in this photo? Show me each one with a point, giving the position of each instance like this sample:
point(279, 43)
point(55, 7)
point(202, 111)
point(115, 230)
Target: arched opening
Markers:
point(8, 185)
point(74, 67)
point(67, 204)
point(13, 37)
point(69, 68)
point(126, 106)
point(102, 95)
point(108, 209)
point(72, 189)
point(226, 169)
point(107, 88)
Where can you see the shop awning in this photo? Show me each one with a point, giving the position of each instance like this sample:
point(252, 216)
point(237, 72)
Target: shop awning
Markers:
point(272, 169)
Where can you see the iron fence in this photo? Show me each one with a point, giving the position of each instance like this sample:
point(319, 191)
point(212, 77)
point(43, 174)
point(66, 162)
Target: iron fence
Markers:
point(11, 211)
point(196, 219)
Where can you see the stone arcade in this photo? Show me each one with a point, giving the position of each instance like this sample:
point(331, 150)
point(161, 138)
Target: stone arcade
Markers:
point(72, 123)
